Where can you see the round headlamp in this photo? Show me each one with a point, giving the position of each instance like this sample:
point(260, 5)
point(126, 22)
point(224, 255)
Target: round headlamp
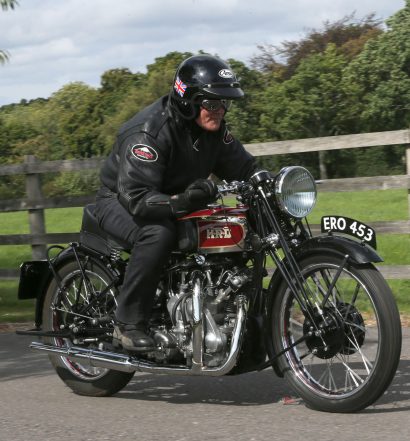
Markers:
point(295, 191)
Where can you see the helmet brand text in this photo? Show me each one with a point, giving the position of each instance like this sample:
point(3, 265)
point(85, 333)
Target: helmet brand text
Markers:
point(225, 73)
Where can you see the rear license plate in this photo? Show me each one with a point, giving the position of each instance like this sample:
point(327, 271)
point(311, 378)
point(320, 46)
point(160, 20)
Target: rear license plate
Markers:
point(349, 226)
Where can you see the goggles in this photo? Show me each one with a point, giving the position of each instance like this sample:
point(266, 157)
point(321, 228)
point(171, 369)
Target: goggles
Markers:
point(214, 105)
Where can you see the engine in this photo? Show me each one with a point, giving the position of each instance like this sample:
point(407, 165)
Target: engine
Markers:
point(199, 290)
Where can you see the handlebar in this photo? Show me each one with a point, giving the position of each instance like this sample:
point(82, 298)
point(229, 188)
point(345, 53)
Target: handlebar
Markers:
point(230, 187)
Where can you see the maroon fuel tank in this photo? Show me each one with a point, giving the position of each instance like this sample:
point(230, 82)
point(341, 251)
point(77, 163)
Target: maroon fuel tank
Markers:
point(216, 229)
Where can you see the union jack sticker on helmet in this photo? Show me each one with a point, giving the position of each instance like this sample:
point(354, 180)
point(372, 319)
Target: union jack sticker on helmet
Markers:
point(180, 87)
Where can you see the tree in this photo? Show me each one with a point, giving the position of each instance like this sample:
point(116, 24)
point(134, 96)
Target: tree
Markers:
point(6, 4)
point(243, 117)
point(379, 82)
point(146, 89)
point(308, 104)
point(381, 77)
point(347, 34)
point(73, 123)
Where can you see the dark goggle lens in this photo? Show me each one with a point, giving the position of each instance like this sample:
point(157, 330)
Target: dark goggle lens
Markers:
point(216, 104)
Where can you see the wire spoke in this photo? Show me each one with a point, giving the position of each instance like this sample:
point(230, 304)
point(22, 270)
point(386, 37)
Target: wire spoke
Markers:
point(351, 350)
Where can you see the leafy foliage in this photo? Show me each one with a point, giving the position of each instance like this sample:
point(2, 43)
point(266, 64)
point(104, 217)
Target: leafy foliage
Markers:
point(6, 4)
point(348, 35)
point(351, 76)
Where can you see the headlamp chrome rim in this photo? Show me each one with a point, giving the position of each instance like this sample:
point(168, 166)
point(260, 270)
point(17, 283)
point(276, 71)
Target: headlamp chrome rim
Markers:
point(295, 191)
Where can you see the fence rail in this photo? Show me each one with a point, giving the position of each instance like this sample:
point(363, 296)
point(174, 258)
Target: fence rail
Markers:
point(35, 203)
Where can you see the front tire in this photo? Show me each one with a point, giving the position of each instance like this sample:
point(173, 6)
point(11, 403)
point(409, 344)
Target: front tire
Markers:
point(352, 360)
point(59, 306)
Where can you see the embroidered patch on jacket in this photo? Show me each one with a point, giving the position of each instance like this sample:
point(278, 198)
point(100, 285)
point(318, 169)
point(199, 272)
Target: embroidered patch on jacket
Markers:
point(228, 138)
point(144, 152)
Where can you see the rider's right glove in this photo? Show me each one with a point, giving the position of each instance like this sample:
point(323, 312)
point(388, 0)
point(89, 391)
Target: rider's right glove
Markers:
point(197, 195)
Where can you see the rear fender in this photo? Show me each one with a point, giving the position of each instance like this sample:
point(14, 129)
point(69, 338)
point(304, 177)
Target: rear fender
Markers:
point(65, 256)
point(35, 278)
point(33, 275)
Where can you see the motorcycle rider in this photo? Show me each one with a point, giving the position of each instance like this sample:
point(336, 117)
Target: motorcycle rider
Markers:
point(157, 172)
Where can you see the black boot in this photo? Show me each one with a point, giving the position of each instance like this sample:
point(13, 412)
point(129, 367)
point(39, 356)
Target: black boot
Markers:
point(133, 338)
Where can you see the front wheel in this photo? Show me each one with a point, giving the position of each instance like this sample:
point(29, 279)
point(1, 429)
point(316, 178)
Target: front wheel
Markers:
point(352, 344)
point(80, 297)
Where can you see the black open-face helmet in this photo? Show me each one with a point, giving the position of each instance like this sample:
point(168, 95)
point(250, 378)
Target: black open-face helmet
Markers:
point(202, 77)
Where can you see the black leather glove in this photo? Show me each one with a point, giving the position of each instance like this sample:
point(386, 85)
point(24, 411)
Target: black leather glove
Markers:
point(201, 191)
point(196, 196)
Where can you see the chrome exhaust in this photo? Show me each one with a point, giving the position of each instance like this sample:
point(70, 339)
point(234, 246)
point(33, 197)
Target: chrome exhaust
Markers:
point(127, 363)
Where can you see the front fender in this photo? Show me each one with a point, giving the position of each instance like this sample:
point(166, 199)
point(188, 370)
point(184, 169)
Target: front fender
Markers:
point(320, 245)
point(340, 245)
point(325, 245)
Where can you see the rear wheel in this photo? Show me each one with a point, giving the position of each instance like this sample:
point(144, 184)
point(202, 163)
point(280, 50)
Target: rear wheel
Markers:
point(352, 348)
point(79, 299)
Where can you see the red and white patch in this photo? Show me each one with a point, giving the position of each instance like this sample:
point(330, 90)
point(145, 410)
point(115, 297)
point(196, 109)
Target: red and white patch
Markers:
point(228, 138)
point(144, 152)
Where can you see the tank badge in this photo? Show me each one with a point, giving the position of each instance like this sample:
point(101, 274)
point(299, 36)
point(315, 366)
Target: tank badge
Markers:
point(218, 233)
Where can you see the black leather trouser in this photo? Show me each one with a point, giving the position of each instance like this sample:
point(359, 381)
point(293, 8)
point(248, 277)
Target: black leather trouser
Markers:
point(151, 243)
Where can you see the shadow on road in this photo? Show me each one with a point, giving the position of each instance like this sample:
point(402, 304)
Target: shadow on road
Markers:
point(397, 397)
point(17, 361)
point(240, 390)
point(253, 389)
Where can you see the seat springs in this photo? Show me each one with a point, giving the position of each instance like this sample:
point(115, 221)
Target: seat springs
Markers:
point(115, 254)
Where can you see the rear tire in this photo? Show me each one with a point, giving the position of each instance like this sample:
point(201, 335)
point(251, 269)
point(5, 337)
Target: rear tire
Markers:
point(351, 365)
point(82, 378)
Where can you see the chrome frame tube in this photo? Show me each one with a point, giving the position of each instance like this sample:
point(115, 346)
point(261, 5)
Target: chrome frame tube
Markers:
point(197, 327)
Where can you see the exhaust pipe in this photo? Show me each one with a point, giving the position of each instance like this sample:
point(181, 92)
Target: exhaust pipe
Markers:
point(126, 363)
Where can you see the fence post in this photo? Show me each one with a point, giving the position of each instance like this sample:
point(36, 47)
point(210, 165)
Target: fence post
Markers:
point(35, 217)
point(408, 173)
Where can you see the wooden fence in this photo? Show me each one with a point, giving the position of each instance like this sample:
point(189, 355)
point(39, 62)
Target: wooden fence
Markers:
point(35, 203)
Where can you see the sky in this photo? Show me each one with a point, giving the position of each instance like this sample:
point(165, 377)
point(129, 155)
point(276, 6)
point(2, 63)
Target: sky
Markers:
point(55, 42)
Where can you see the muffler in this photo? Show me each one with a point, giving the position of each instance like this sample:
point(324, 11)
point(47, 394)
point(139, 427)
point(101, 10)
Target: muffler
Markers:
point(127, 363)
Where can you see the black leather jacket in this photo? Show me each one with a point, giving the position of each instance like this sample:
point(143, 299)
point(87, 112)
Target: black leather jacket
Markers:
point(157, 155)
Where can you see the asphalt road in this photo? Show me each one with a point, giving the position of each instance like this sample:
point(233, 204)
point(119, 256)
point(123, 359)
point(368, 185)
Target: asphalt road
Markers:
point(36, 405)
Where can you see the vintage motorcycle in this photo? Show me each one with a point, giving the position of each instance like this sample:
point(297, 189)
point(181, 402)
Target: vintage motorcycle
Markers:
point(325, 319)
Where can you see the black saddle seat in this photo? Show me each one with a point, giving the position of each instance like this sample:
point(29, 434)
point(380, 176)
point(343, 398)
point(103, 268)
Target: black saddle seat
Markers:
point(94, 237)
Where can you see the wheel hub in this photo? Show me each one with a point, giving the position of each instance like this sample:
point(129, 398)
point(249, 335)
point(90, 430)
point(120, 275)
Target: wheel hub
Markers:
point(326, 334)
point(334, 332)
point(354, 328)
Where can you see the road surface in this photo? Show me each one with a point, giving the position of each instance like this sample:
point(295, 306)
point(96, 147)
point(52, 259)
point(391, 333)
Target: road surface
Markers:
point(35, 405)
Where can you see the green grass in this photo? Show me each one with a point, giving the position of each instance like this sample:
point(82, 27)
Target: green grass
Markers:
point(365, 206)
point(11, 309)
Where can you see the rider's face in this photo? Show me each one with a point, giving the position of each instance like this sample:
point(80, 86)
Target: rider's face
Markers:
point(210, 119)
